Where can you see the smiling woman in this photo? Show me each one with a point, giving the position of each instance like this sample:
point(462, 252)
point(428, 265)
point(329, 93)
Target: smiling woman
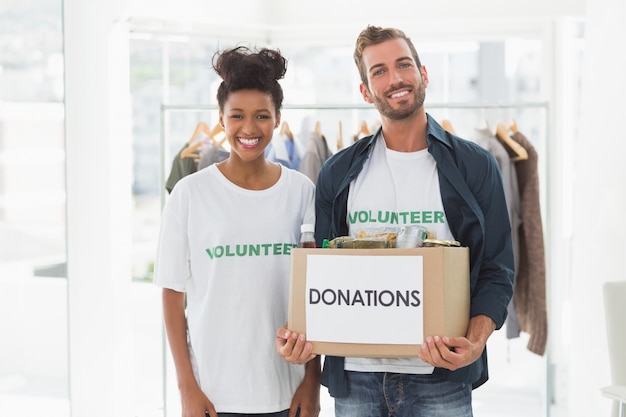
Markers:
point(249, 100)
point(235, 201)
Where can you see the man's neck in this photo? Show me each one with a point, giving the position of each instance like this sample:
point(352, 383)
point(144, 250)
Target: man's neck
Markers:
point(408, 135)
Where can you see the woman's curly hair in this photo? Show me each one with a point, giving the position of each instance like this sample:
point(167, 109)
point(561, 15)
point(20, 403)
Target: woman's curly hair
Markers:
point(242, 68)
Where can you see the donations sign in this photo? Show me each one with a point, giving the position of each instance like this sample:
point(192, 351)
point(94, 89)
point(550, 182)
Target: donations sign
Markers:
point(365, 299)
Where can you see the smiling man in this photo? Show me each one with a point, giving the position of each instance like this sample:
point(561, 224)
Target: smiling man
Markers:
point(412, 165)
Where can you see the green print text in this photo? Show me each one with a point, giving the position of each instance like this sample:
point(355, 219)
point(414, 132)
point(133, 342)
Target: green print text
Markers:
point(259, 249)
point(392, 217)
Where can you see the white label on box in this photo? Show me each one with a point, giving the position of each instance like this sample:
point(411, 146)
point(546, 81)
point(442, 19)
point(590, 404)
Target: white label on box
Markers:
point(365, 299)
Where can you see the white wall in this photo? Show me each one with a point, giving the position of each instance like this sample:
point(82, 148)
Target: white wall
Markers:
point(599, 204)
point(98, 152)
point(321, 13)
point(331, 21)
point(338, 13)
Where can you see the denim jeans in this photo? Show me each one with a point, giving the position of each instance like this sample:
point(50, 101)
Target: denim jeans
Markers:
point(381, 394)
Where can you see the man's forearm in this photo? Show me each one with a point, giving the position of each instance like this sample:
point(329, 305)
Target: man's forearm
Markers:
point(480, 328)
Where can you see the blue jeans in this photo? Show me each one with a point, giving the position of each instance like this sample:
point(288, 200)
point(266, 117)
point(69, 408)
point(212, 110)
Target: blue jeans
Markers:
point(382, 394)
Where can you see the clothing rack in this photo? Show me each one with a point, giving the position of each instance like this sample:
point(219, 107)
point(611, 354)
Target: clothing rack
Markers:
point(451, 105)
point(549, 150)
point(166, 108)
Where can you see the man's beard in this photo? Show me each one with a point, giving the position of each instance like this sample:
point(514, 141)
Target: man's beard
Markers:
point(404, 112)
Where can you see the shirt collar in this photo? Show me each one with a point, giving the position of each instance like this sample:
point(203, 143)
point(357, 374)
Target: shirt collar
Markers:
point(434, 132)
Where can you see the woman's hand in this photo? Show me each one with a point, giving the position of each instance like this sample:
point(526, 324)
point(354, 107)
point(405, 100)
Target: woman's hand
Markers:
point(293, 347)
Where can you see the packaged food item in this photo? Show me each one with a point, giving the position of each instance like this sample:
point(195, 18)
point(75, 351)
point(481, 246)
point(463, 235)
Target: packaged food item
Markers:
point(307, 238)
point(348, 242)
point(389, 233)
point(341, 242)
point(371, 243)
point(436, 242)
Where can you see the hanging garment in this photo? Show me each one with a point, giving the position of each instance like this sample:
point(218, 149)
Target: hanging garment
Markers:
point(529, 294)
point(284, 150)
point(180, 168)
point(211, 154)
point(486, 139)
point(316, 154)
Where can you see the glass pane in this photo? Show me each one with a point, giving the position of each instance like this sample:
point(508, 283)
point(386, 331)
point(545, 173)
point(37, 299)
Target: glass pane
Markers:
point(33, 288)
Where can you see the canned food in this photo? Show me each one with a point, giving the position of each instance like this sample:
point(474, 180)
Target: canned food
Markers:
point(411, 237)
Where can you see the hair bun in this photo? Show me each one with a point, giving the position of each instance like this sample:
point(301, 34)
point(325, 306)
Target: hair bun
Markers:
point(243, 68)
point(242, 63)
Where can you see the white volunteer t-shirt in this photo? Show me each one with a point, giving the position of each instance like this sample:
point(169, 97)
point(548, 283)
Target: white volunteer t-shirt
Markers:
point(228, 249)
point(396, 189)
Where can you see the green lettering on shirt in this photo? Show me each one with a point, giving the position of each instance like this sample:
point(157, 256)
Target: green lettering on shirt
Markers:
point(394, 217)
point(250, 250)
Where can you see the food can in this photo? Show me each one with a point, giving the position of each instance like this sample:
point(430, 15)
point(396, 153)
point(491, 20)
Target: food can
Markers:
point(411, 237)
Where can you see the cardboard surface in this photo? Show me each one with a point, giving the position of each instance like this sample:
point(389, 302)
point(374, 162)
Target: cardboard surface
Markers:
point(444, 301)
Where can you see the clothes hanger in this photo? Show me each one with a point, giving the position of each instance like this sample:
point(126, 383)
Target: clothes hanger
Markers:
point(515, 150)
point(190, 151)
point(340, 138)
point(363, 130)
point(447, 125)
point(201, 127)
point(193, 144)
point(217, 135)
point(218, 128)
point(285, 130)
point(318, 128)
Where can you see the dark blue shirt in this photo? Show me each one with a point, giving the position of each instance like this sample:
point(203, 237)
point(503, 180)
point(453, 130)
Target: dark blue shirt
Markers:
point(473, 199)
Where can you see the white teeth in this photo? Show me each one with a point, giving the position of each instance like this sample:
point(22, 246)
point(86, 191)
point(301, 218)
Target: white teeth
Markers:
point(400, 94)
point(249, 142)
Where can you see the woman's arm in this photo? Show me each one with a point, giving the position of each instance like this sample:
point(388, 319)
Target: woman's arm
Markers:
point(194, 401)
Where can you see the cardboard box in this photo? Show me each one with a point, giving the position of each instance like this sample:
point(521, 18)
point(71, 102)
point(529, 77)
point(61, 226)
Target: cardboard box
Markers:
point(364, 302)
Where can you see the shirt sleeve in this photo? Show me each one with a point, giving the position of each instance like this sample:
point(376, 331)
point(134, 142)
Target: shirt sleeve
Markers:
point(171, 268)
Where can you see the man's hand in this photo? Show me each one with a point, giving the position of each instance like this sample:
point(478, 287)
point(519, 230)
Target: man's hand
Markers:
point(293, 347)
point(456, 352)
point(450, 352)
